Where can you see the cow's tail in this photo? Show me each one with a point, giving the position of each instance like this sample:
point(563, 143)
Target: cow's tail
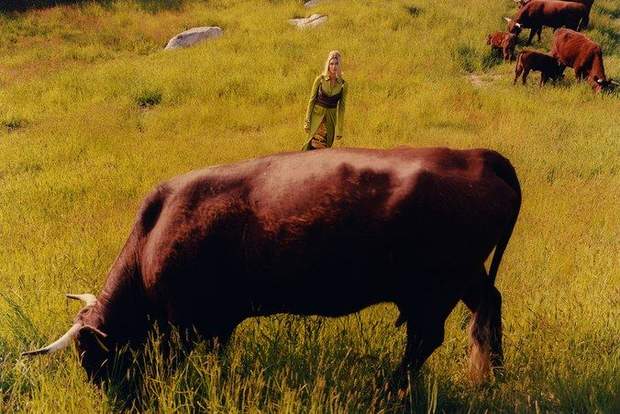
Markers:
point(486, 326)
point(518, 68)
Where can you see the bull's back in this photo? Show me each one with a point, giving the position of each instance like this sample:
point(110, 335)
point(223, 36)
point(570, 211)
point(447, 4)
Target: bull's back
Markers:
point(301, 221)
point(572, 47)
point(551, 13)
point(376, 199)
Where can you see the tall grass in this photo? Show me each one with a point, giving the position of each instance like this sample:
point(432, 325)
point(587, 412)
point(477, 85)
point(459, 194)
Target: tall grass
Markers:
point(93, 114)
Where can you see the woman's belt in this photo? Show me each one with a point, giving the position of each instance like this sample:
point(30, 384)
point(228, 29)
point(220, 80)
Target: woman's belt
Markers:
point(327, 101)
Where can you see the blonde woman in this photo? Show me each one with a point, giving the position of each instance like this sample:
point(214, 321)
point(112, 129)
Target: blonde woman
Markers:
point(325, 113)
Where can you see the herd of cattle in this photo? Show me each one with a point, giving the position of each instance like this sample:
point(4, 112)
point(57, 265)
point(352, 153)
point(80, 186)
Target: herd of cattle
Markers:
point(570, 48)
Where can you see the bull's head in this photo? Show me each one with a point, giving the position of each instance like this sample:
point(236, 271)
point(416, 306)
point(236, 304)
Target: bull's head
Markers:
point(513, 27)
point(604, 85)
point(92, 344)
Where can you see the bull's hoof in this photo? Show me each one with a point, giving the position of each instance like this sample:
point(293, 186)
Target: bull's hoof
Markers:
point(399, 384)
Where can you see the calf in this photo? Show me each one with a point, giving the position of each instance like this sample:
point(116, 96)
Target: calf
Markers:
point(548, 66)
point(503, 41)
point(551, 13)
point(577, 51)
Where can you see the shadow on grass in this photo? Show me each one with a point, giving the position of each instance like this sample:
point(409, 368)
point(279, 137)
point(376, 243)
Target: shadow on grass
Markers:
point(492, 58)
point(414, 11)
point(150, 6)
point(613, 13)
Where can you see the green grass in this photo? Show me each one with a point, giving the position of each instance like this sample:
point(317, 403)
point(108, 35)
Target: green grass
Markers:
point(93, 114)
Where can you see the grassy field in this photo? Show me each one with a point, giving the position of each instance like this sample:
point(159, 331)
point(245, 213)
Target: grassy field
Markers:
point(93, 114)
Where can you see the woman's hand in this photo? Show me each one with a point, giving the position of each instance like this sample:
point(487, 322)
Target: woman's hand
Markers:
point(307, 127)
point(338, 137)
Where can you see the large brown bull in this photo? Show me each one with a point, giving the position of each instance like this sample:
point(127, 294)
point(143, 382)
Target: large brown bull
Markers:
point(587, 3)
point(317, 233)
point(551, 13)
point(577, 51)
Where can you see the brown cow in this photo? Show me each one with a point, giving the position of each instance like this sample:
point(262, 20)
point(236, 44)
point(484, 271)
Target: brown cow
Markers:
point(550, 13)
point(317, 233)
point(548, 66)
point(587, 3)
point(503, 41)
point(577, 51)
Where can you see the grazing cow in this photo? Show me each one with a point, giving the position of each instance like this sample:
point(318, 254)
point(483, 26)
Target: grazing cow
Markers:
point(577, 51)
point(587, 3)
point(548, 66)
point(503, 41)
point(551, 13)
point(317, 233)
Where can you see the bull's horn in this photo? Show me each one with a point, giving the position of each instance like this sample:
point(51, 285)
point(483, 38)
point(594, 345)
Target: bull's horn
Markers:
point(63, 342)
point(518, 25)
point(508, 19)
point(614, 82)
point(87, 298)
point(600, 81)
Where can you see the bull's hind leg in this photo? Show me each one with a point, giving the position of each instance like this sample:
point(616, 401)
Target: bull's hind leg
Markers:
point(485, 330)
point(518, 70)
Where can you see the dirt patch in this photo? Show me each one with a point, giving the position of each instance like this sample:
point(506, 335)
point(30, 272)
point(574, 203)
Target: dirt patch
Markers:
point(482, 80)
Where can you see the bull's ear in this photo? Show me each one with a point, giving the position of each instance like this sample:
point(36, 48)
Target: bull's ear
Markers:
point(508, 19)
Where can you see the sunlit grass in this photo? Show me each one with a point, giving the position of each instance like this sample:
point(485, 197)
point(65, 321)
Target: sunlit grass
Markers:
point(93, 114)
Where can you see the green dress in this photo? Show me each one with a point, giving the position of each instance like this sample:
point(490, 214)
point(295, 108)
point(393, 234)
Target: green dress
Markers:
point(327, 122)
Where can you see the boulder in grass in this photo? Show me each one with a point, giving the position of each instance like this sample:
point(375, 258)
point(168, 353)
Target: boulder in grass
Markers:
point(312, 21)
point(193, 36)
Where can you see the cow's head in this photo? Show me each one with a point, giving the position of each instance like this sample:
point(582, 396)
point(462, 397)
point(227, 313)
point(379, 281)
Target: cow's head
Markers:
point(92, 344)
point(513, 27)
point(604, 85)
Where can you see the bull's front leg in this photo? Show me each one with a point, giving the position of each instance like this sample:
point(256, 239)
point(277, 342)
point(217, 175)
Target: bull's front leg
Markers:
point(543, 79)
point(533, 31)
point(423, 337)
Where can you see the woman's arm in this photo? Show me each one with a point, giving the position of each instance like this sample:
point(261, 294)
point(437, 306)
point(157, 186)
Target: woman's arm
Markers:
point(341, 106)
point(315, 88)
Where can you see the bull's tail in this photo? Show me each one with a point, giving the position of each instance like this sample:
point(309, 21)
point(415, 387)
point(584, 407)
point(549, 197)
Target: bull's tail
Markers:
point(518, 68)
point(506, 172)
point(486, 326)
point(485, 333)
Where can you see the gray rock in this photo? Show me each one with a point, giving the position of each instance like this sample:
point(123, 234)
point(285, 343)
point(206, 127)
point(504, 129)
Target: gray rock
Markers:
point(312, 21)
point(193, 36)
point(311, 3)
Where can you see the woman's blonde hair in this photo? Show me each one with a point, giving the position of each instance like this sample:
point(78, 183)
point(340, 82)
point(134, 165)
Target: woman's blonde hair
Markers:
point(333, 54)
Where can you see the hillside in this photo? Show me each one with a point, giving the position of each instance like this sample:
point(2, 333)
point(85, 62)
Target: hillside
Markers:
point(94, 113)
